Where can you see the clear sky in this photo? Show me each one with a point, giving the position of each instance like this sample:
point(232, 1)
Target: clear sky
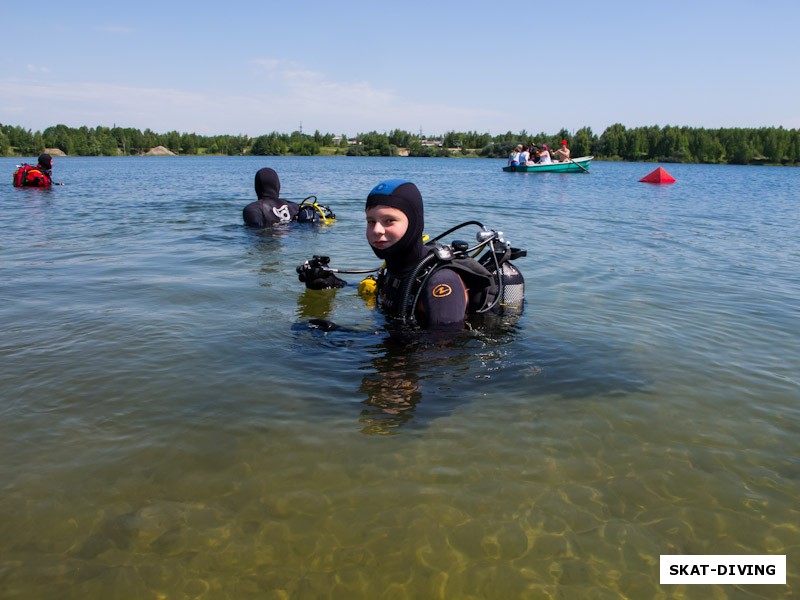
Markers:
point(253, 67)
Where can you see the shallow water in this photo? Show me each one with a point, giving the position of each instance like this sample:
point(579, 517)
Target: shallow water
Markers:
point(171, 428)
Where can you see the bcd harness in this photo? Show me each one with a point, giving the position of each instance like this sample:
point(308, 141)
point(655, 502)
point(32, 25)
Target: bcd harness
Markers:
point(29, 176)
point(311, 212)
point(492, 281)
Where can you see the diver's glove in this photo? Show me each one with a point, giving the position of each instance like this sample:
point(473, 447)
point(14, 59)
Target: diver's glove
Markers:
point(316, 274)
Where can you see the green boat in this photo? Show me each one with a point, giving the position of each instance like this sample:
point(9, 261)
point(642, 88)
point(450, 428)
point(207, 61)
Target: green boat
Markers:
point(574, 165)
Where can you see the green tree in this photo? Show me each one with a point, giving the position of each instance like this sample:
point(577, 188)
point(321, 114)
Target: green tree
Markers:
point(105, 142)
point(189, 143)
point(356, 150)
point(235, 145)
point(563, 134)
point(417, 149)
point(473, 139)
point(453, 139)
point(268, 145)
point(304, 147)
point(21, 140)
point(377, 144)
point(582, 142)
point(612, 141)
point(741, 151)
point(38, 143)
point(172, 140)
point(793, 147)
point(705, 146)
point(497, 150)
point(149, 139)
point(673, 145)
point(136, 142)
point(775, 144)
point(5, 145)
point(637, 146)
point(59, 137)
point(400, 138)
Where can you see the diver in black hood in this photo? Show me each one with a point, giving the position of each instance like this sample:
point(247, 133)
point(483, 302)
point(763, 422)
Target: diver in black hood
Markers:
point(395, 223)
point(270, 208)
point(427, 286)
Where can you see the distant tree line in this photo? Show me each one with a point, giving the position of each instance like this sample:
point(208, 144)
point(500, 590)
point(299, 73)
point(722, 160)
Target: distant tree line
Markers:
point(768, 145)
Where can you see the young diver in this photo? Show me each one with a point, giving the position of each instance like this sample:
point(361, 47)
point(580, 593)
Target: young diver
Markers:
point(270, 209)
point(428, 286)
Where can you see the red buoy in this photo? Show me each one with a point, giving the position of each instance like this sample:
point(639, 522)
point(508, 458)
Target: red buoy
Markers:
point(658, 176)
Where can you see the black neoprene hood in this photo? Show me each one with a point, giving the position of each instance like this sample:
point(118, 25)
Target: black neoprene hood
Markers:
point(268, 185)
point(405, 197)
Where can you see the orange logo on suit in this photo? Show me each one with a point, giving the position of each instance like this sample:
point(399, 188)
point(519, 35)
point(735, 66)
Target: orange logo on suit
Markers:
point(442, 290)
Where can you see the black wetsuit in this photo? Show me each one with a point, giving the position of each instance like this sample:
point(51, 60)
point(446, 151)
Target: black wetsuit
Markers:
point(269, 209)
point(443, 302)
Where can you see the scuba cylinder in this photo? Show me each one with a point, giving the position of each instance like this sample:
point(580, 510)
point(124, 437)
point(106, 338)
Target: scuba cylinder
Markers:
point(513, 285)
point(311, 212)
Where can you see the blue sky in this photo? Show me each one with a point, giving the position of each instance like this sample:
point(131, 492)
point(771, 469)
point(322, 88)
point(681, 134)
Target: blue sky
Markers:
point(351, 66)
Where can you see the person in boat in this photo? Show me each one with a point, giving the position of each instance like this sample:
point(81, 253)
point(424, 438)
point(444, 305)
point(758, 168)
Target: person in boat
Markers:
point(513, 158)
point(544, 155)
point(270, 209)
point(563, 153)
point(426, 286)
point(525, 155)
point(35, 176)
point(533, 156)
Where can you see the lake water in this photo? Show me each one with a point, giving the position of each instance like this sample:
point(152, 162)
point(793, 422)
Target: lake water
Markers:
point(171, 428)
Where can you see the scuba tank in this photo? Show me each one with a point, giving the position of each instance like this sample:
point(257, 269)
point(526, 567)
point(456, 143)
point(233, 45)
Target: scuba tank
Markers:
point(509, 279)
point(311, 212)
point(513, 287)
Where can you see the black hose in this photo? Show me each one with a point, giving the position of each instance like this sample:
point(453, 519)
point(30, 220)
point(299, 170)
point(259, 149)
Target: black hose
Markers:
point(355, 271)
point(407, 286)
point(499, 272)
point(452, 229)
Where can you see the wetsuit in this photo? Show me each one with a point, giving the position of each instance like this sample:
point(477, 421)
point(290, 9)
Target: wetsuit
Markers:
point(269, 209)
point(444, 300)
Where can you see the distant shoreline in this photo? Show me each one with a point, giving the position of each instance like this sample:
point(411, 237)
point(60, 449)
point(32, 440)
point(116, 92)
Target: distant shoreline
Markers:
point(668, 144)
point(343, 156)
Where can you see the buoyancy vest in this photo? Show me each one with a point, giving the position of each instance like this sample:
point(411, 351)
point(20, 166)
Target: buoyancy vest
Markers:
point(492, 282)
point(29, 176)
point(311, 212)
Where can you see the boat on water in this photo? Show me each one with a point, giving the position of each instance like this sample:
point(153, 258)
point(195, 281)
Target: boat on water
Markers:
point(575, 165)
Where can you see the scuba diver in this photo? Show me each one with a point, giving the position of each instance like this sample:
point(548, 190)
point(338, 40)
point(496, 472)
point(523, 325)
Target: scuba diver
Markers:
point(270, 209)
point(35, 176)
point(421, 285)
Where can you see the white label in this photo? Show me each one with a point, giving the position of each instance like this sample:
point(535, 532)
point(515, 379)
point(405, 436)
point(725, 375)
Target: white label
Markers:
point(723, 568)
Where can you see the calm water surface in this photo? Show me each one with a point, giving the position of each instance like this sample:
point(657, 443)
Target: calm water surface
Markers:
point(170, 428)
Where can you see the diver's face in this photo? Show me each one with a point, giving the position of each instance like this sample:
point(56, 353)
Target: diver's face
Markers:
point(385, 226)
